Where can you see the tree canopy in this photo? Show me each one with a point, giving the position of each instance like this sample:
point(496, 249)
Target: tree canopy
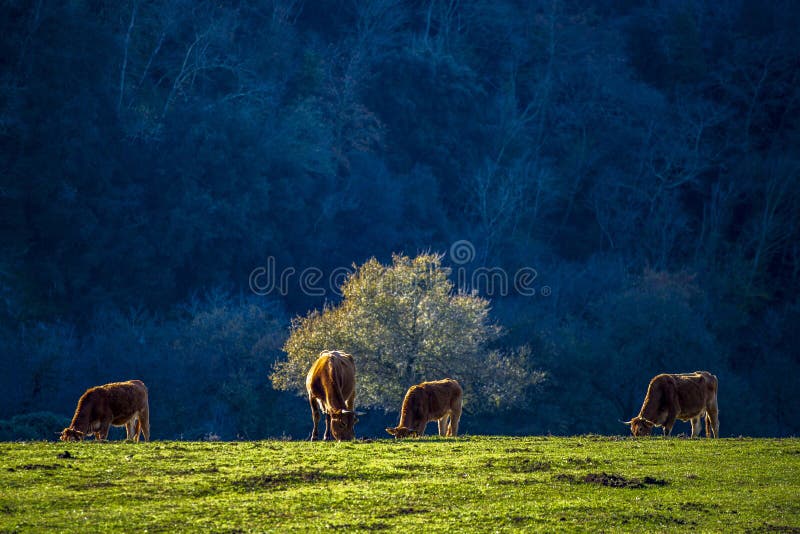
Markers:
point(405, 323)
point(154, 151)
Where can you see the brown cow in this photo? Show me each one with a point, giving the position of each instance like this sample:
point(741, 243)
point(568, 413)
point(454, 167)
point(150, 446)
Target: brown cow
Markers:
point(118, 404)
point(687, 397)
point(430, 401)
point(331, 387)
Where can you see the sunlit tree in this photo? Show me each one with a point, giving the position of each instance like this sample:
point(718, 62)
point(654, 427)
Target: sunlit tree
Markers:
point(405, 323)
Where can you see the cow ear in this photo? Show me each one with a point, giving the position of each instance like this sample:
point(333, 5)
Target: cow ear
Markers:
point(392, 431)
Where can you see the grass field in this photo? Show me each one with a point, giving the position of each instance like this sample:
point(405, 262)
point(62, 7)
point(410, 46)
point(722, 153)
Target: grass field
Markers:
point(586, 483)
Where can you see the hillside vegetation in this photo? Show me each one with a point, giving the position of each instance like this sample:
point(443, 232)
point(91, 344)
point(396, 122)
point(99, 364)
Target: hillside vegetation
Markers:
point(183, 181)
point(481, 483)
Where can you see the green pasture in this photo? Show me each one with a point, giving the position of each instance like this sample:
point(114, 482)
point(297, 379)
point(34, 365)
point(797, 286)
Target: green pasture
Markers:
point(585, 483)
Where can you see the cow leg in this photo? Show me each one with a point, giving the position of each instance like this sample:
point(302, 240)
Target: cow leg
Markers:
point(328, 427)
point(443, 425)
point(421, 428)
point(455, 417)
point(315, 416)
point(103, 431)
point(143, 423)
point(130, 426)
point(136, 429)
point(94, 429)
point(712, 420)
point(696, 426)
point(670, 422)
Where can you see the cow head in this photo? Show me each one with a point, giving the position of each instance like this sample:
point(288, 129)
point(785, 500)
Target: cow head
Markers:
point(70, 434)
point(342, 424)
point(640, 426)
point(402, 432)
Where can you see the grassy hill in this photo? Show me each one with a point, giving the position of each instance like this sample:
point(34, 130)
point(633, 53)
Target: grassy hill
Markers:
point(477, 483)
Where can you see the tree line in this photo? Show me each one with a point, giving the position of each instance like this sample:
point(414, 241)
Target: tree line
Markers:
point(642, 158)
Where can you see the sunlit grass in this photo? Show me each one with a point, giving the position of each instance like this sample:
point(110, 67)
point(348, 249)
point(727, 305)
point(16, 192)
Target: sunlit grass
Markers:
point(481, 483)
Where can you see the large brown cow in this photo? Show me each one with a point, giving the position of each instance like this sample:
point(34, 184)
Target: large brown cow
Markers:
point(687, 397)
point(430, 401)
point(118, 404)
point(331, 387)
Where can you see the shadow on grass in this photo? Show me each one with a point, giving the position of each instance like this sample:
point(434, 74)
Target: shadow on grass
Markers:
point(285, 479)
point(91, 485)
point(611, 480)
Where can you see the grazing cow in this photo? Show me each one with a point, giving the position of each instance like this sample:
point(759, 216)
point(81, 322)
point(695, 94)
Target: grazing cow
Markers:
point(687, 397)
point(118, 404)
point(430, 401)
point(331, 387)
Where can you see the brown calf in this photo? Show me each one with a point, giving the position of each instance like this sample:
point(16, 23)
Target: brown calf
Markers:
point(687, 397)
point(430, 401)
point(118, 404)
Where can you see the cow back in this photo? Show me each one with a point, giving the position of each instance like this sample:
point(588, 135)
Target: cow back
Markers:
point(126, 399)
point(686, 394)
point(430, 400)
point(695, 391)
point(332, 380)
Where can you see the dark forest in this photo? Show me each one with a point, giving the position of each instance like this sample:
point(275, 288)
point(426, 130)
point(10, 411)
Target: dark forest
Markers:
point(639, 162)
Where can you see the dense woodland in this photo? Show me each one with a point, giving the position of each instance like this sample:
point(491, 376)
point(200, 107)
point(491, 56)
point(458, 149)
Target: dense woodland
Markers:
point(642, 157)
